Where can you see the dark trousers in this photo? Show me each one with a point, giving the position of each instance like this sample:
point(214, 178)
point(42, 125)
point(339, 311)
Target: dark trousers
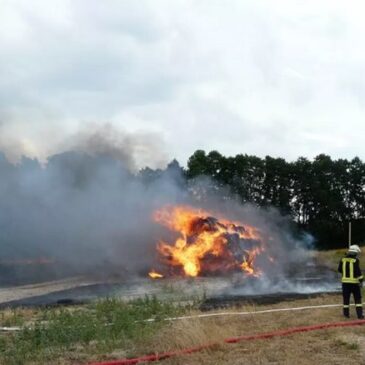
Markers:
point(355, 290)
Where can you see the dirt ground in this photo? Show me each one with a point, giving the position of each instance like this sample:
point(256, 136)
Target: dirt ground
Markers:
point(26, 291)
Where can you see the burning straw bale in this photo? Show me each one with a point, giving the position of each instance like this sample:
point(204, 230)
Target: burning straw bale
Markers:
point(207, 245)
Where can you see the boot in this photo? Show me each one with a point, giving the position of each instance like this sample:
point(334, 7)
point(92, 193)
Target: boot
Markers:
point(346, 312)
point(359, 313)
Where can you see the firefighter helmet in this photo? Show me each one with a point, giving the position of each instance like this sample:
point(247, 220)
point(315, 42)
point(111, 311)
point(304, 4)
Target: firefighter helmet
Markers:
point(355, 249)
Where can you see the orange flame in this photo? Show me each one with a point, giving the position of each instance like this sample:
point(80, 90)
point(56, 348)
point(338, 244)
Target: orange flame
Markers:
point(155, 275)
point(206, 244)
point(248, 260)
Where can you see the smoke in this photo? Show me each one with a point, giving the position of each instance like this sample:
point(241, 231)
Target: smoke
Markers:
point(13, 147)
point(293, 268)
point(134, 150)
point(87, 208)
point(286, 249)
point(90, 210)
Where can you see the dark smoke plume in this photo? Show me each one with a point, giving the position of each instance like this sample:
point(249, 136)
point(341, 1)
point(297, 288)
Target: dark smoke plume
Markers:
point(144, 149)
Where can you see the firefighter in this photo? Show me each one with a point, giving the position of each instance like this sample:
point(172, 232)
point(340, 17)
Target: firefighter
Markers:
point(352, 279)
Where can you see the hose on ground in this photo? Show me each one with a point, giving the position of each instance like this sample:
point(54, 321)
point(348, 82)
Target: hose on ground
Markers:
point(259, 336)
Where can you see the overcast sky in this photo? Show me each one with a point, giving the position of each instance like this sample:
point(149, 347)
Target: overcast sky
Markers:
point(284, 78)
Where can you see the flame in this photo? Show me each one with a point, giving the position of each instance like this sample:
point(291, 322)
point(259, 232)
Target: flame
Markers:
point(155, 275)
point(248, 261)
point(206, 244)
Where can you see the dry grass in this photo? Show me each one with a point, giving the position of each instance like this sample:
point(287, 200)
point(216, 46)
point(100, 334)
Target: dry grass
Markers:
point(17, 317)
point(324, 347)
point(333, 346)
point(332, 257)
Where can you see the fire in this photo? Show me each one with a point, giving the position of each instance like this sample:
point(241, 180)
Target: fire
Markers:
point(155, 275)
point(247, 264)
point(207, 245)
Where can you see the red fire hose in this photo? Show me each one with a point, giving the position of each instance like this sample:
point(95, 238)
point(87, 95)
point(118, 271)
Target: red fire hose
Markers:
point(259, 336)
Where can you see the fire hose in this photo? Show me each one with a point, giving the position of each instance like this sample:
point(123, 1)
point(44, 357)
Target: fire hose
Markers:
point(209, 315)
point(218, 314)
point(259, 336)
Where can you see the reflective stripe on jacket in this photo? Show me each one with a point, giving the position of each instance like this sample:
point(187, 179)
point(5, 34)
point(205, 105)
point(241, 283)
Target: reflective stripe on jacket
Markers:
point(349, 267)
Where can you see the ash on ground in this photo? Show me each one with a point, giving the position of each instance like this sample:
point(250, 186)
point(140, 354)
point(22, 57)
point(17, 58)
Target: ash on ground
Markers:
point(304, 281)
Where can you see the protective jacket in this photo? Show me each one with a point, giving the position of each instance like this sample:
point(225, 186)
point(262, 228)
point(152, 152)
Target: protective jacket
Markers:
point(349, 267)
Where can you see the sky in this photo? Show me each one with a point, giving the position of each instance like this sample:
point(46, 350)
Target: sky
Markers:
point(279, 78)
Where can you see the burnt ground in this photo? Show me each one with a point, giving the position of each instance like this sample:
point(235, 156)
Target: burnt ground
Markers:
point(212, 292)
point(228, 301)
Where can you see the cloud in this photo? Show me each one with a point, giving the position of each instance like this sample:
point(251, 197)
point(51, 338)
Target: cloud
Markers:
point(281, 78)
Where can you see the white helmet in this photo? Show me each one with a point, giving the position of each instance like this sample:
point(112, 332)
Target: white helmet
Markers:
point(355, 249)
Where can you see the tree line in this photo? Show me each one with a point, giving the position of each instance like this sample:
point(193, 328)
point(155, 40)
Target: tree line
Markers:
point(320, 195)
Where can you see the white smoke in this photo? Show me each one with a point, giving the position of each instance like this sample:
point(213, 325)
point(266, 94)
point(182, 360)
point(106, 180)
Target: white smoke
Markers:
point(90, 211)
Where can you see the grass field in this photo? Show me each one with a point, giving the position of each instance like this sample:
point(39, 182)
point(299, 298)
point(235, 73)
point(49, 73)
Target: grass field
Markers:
point(334, 346)
point(112, 329)
point(73, 335)
point(331, 258)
